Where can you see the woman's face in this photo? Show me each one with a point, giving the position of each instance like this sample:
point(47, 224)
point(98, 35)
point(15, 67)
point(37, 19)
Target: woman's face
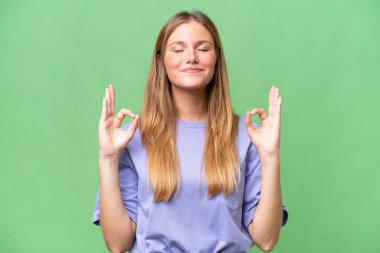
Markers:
point(190, 56)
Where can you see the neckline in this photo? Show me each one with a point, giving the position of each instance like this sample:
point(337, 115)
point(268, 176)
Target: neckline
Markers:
point(191, 124)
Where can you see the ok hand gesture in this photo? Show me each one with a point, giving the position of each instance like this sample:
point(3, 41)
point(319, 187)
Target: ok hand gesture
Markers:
point(267, 137)
point(112, 139)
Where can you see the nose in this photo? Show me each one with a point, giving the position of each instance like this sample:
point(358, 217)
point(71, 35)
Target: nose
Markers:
point(192, 57)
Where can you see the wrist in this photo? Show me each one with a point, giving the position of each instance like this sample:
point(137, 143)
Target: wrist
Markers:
point(107, 165)
point(108, 159)
point(108, 153)
point(272, 158)
point(268, 153)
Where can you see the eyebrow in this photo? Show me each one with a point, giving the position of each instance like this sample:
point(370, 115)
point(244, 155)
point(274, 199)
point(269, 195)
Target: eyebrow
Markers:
point(197, 43)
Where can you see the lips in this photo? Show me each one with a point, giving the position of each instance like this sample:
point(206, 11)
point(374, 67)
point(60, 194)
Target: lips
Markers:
point(192, 70)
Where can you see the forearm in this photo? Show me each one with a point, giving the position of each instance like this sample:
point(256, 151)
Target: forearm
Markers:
point(267, 220)
point(115, 222)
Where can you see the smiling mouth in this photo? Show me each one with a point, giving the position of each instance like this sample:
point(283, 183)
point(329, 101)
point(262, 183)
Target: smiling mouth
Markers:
point(192, 70)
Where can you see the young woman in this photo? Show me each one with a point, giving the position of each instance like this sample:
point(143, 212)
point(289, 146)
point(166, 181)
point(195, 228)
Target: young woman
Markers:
point(189, 175)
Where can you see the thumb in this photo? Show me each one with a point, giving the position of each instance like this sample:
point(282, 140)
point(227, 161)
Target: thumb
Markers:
point(248, 122)
point(132, 128)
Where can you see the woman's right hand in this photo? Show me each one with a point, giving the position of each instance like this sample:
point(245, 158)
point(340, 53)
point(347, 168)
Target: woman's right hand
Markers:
point(112, 139)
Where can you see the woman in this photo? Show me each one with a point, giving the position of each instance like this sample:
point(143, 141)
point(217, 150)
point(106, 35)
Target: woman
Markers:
point(189, 175)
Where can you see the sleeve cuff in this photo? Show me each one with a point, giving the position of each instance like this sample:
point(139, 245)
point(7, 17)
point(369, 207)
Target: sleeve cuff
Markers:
point(248, 217)
point(284, 215)
point(96, 218)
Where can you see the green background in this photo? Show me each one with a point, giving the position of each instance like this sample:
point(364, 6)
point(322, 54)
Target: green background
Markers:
point(56, 58)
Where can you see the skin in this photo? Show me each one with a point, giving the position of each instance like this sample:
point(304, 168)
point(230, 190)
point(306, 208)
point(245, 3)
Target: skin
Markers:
point(189, 46)
point(119, 231)
point(267, 221)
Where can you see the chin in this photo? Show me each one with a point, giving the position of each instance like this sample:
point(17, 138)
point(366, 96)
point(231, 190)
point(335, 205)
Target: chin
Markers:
point(193, 83)
point(192, 86)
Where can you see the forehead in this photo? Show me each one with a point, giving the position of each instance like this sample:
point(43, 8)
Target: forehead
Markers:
point(190, 32)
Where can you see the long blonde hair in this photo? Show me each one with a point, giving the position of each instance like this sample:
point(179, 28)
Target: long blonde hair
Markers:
point(158, 121)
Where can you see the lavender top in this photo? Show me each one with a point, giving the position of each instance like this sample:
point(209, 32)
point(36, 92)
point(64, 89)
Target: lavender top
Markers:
point(191, 221)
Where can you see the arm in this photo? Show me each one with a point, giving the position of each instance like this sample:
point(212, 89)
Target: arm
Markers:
point(266, 225)
point(118, 229)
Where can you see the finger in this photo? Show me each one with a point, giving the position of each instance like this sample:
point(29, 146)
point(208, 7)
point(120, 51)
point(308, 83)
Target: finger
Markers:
point(133, 126)
point(248, 122)
point(103, 115)
point(270, 101)
point(121, 115)
point(108, 103)
point(111, 113)
point(112, 93)
point(279, 109)
point(106, 108)
point(261, 112)
point(275, 99)
point(106, 97)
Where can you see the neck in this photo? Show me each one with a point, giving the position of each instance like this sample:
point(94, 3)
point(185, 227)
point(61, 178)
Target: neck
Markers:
point(190, 104)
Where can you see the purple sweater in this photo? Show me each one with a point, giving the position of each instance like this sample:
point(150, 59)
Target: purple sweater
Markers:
point(190, 222)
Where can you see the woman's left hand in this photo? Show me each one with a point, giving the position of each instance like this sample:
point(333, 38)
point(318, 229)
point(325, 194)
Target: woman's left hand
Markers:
point(267, 137)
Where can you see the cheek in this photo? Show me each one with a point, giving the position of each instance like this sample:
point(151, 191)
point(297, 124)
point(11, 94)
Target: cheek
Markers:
point(209, 61)
point(172, 62)
point(210, 64)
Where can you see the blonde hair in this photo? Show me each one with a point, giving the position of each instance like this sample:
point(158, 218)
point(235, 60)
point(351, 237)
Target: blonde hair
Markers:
point(158, 121)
